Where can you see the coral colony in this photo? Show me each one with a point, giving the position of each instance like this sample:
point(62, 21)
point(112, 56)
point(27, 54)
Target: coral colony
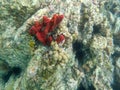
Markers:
point(44, 30)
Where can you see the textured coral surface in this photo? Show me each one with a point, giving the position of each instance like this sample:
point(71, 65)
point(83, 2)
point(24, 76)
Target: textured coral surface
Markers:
point(59, 44)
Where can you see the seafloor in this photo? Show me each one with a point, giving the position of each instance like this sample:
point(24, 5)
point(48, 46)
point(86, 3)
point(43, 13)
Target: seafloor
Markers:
point(88, 59)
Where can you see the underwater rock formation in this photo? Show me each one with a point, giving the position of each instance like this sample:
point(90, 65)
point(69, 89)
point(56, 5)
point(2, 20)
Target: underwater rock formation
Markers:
point(84, 48)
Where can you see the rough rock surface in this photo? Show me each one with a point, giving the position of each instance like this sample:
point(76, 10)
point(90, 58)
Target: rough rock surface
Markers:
point(88, 60)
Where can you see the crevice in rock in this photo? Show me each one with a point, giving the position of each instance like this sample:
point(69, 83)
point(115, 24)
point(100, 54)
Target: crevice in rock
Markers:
point(81, 51)
point(116, 39)
point(115, 84)
point(82, 87)
point(13, 71)
point(96, 29)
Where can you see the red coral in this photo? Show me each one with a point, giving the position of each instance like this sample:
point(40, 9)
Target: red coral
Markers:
point(49, 40)
point(56, 19)
point(42, 30)
point(60, 38)
point(35, 28)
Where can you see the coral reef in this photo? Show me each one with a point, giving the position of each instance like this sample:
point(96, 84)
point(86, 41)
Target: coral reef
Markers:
point(80, 45)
